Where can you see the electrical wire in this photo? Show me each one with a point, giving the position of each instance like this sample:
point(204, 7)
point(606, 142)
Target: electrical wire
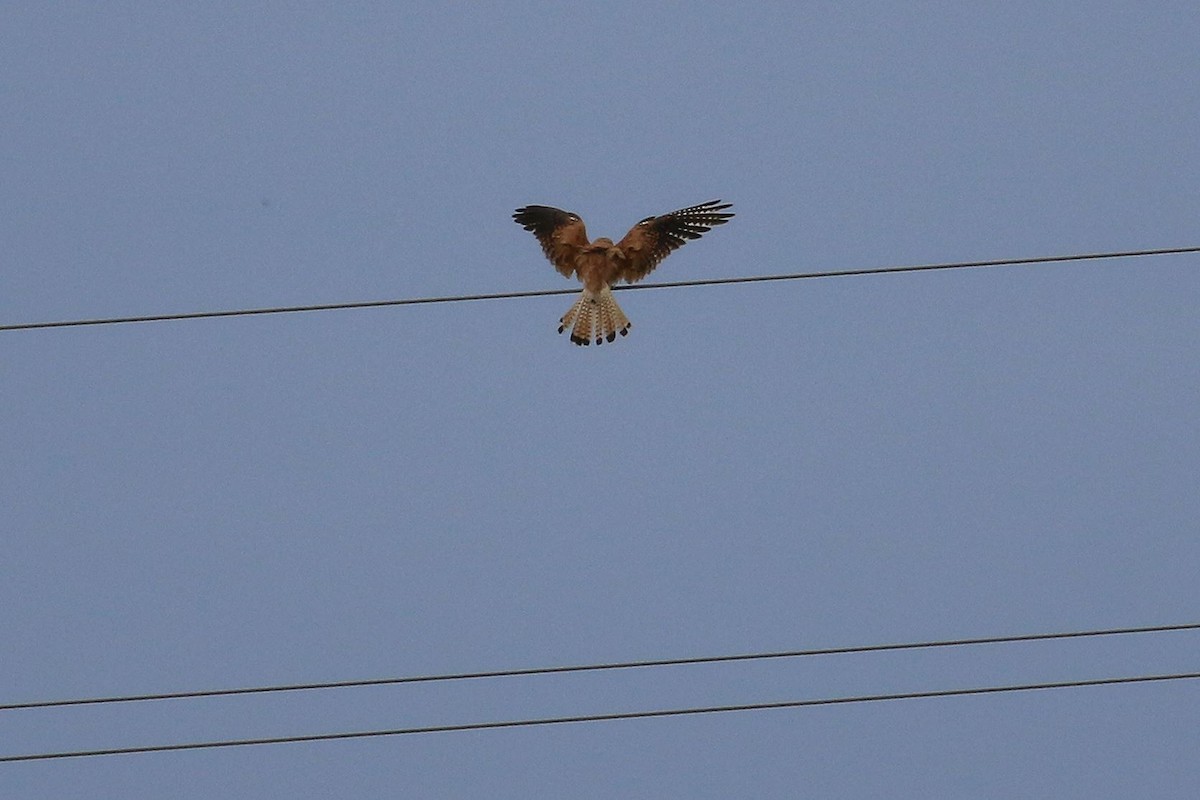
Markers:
point(620, 665)
point(22, 326)
point(672, 712)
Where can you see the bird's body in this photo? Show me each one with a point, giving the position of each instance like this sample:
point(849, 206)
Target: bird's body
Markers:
point(600, 264)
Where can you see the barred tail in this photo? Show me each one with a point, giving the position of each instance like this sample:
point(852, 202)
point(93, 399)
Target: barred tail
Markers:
point(595, 317)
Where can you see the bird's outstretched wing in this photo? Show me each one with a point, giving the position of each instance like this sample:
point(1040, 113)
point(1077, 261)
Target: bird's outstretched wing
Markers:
point(560, 233)
point(653, 239)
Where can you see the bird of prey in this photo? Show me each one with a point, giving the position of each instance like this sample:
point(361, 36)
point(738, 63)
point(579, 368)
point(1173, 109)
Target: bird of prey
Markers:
point(598, 265)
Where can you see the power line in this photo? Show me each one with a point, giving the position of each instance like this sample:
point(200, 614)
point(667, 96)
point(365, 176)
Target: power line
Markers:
point(247, 312)
point(673, 712)
point(665, 662)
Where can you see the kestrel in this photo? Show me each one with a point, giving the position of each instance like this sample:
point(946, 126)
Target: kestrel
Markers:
point(598, 265)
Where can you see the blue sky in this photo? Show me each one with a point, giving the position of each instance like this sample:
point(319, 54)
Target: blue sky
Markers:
point(845, 461)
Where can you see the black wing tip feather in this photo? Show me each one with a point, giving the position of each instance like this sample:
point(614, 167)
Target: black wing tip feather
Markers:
point(694, 221)
point(538, 219)
point(710, 206)
point(534, 209)
point(705, 214)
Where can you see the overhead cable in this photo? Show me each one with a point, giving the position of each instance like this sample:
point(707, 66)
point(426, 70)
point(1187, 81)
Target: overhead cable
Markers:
point(247, 312)
point(599, 667)
point(626, 715)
